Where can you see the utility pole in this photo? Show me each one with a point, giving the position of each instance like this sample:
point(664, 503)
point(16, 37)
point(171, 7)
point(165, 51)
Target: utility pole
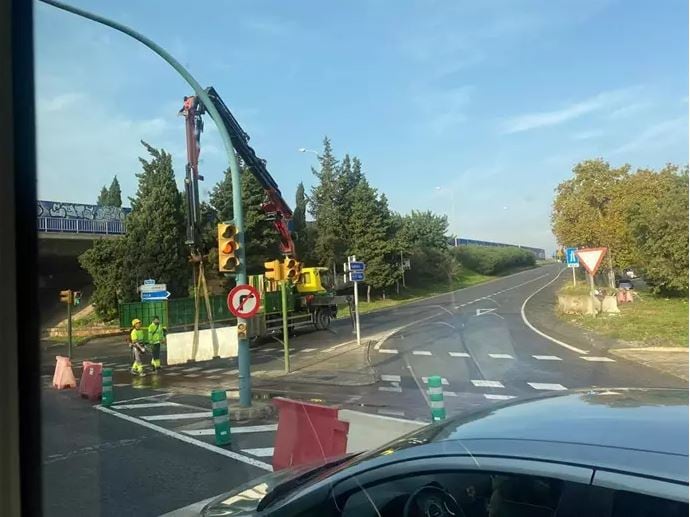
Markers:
point(241, 275)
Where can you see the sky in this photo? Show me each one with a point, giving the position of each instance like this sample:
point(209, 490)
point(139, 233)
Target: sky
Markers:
point(475, 110)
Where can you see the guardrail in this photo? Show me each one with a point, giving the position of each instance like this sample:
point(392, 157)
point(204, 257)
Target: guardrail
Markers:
point(62, 225)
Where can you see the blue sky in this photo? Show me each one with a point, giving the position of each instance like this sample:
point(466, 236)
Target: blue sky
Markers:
point(492, 101)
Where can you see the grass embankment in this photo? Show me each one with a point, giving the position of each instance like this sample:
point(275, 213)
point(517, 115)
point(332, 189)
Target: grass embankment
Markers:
point(465, 279)
point(650, 321)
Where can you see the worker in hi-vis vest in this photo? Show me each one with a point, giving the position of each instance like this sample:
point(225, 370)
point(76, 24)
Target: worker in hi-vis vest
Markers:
point(156, 337)
point(138, 346)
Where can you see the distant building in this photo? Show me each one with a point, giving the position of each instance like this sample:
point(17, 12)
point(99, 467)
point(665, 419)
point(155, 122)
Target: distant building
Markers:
point(459, 241)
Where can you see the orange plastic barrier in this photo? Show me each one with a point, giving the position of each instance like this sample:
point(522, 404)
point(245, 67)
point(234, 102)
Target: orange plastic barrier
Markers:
point(91, 383)
point(307, 433)
point(63, 377)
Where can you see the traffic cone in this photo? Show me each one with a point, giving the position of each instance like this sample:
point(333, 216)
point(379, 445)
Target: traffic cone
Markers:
point(107, 388)
point(438, 408)
point(221, 419)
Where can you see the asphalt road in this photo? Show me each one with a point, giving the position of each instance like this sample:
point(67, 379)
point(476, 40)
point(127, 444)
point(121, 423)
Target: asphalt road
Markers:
point(153, 452)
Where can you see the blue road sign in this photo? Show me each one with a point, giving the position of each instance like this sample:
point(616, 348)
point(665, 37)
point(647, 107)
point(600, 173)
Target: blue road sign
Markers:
point(154, 296)
point(357, 276)
point(357, 266)
point(571, 258)
point(150, 281)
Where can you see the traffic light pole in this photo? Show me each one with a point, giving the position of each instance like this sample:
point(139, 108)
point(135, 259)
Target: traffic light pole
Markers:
point(69, 328)
point(241, 275)
point(286, 338)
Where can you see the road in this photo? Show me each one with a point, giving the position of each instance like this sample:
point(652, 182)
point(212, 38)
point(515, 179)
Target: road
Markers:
point(156, 447)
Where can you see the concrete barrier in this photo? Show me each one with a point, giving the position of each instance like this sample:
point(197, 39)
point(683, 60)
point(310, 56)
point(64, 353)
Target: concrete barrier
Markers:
point(179, 345)
point(369, 431)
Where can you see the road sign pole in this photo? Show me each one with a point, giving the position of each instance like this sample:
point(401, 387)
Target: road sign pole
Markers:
point(241, 276)
point(356, 293)
point(69, 326)
point(574, 280)
point(286, 344)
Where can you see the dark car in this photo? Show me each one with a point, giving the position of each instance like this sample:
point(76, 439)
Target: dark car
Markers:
point(620, 453)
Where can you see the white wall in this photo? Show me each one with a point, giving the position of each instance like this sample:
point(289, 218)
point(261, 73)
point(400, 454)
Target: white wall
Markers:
point(179, 345)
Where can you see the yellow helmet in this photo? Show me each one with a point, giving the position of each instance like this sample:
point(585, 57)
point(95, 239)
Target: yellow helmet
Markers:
point(135, 321)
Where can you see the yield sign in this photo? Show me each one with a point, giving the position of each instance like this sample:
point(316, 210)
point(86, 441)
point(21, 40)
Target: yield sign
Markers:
point(591, 258)
point(244, 301)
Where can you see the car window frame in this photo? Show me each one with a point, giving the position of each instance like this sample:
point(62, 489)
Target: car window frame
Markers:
point(644, 485)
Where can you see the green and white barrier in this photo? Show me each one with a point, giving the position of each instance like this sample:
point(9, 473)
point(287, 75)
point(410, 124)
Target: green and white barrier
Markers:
point(438, 408)
point(107, 387)
point(221, 419)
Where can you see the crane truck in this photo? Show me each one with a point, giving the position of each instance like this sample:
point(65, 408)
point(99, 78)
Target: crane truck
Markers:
point(312, 298)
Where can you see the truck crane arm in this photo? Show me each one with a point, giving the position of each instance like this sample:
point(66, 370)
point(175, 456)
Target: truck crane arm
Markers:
point(276, 208)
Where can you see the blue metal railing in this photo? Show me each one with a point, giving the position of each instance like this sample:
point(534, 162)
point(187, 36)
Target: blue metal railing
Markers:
point(57, 224)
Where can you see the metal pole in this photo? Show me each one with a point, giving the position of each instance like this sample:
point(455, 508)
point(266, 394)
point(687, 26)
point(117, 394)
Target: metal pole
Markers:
point(286, 338)
point(241, 276)
point(359, 341)
point(574, 280)
point(69, 325)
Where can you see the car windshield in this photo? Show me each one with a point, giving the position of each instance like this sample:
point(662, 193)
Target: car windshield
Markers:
point(277, 234)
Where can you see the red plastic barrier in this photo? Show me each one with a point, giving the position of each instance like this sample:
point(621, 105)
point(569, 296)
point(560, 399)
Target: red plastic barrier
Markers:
point(91, 384)
point(307, 433)
point(63, 376)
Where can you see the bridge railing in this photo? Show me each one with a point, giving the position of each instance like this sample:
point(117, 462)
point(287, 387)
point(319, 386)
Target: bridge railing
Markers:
point(62, 225)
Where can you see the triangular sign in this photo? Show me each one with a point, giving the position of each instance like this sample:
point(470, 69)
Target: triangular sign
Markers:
point(591, 258)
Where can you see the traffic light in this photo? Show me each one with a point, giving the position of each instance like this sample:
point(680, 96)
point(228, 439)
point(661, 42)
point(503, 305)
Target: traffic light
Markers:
point(66, 296)
point(274, 270)
point(76, 297)
point(227, 247)
point(291, 269)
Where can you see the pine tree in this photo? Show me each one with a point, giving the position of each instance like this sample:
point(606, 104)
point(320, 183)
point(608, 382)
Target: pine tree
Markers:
point(155, 239)
point(114, 193)
point(371, 235)
point(261, 238)
point(103, 197)
point(324, 206)
point(302, 231)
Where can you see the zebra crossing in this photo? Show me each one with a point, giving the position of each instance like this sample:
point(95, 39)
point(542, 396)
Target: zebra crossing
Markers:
point(492, 355)
point(194, 424)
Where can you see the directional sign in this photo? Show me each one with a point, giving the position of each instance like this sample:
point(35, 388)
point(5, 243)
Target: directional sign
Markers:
point(150, 288)
point(357, 266)
point(154, 296)
point(149, 281)
point(591, 258)
point(357, 276)
point(244, 301)
point(571, 257)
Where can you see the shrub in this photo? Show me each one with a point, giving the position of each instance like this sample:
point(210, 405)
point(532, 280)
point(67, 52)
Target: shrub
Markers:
point(492, 261)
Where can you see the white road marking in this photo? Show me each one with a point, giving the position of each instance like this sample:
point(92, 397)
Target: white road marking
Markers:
point(261, 452)
point(501, 356)
point(214, 370)
point(444, 323)
point(233, 372)
point(146, 405)
point(390, 378)
point(449, 394)
point(599, 359)
point(421, 352)
point(171, 374)
point(443, 308)
point(178, 416)
point(234, 430)
point(547, 386)
point(392, 389)
point(444, 381)
point(458, 354)
point(308, 349)
point(492, 396)
point(121, 385)
point(148, 397)
point(213, 377)
point(391, 412)
point(191, 375)
point(194, 369)
point(388, 351)
point(188, 439)
point(487, 384)
point(547, 357)
point(536, 330)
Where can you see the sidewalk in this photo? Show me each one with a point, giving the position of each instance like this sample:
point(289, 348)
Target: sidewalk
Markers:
point(541, 312)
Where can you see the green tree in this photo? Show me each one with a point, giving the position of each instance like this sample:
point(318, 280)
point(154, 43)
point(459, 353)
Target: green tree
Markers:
point(302, 230)
point(659, 227)
point(261, 238)
point(325, 207)
point(371, 235)
point(155, 239)
point(424, 230)
point(115, 193)
point(103, 197)
point(104, 262)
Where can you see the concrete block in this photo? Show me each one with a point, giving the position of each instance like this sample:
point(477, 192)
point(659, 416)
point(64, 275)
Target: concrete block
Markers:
point(369, 431)
point(180, 351)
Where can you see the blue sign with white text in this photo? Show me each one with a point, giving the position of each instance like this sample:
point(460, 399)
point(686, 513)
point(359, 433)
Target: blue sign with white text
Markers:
point(571, 258)
point(357, 266)
point(357, 276)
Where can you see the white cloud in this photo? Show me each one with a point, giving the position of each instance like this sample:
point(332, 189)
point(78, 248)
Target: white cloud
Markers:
point(588, 134)
point(601, 101)
point(657, 135)
point(59, 102)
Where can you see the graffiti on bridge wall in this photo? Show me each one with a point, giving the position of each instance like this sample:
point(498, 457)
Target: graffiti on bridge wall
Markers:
point(78, 211)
